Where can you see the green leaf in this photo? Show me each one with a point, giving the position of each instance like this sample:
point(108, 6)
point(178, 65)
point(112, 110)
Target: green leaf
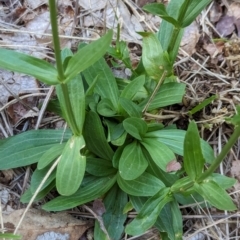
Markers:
point(144, 185)
point(71, 167)
point(135, 127)
point(223, 181)
point(106, 86)
point(177, 220)
point(130, 91)
point(182, 184)
point(166, 31)
point(26, 148)
point(202, 104)
point(23, 63)
point(38, 176)
point(193, 157)
point(50, 155)
point(167, 178)
point(113, 218)
point(95, 138)
point(132, 162)
point(159, 152)
point(170, 221)
point(174, 139)
point(235, 120)
point(149, 213)
point(77, 100)
point(106, 108)
point(92, 188)
point(26, 197)
point(99, 167)
point(215, 195)
point(160, 10)
point(129, 108)
point(155, 60)
point(168, 94)
point(194, 9)
point(87, 56)
point(10, 236)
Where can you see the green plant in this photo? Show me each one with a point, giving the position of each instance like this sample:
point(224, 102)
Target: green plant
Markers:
point(111, 150)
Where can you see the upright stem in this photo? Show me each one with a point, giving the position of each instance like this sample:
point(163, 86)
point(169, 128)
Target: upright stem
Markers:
point(66, 100)
point(56, 42)
point(234, 137)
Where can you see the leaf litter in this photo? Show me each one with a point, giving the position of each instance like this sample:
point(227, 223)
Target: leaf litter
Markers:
point(208, 64)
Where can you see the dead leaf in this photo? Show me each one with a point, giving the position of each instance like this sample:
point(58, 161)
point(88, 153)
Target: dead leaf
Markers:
point(215, 12)
point(190, 38)
point(93, 5)
point(235, 169)
point(225, 26)
point(214, 49)
point(234, 10)
point(15, 84)
point(40, 225)
point(98, 207)
point(173, 166)
point(8, 176)
point(33, 4)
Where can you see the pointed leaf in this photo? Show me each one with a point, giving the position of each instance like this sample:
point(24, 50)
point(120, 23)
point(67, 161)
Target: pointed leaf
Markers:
point(168, 94)
point(159, 152)
point(77, 100)
point(87, 56)
point(160, 10)
point(95, 138)
point(148, 214)
point(99, 167)
point(166, 29)
point(38, 176)
point(144, 185)
point(71, 167)
point(106, 85)
point(194, 9)
point(129, 108)
point(50, 155)
point(27, 196)
point(91, 189)
point(135, 127)
point(23, 63)
point(174, 139)
point(133, 87)
point(113, 218)
point(106, 108)
point(155, 60)
point(193, 157)
point(215, 195)
point(26, 148)
point(223, 181)
point(132, 162)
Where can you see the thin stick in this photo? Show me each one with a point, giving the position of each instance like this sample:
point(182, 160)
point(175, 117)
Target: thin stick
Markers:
point(99, 219)
point(36, 193)
point(154, 92)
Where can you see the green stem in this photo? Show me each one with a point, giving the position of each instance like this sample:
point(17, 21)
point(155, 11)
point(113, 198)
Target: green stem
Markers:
point(234, 137)
point(56, 42)
point(66, 100)
point(176, 30)
point(68, 108)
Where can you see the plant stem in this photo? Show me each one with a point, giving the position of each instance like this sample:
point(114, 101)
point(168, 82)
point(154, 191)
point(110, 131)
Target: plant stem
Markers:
point(66, 100)
point(176, 30)
point(56, 42)
point(234, 137)
point(68, 108)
